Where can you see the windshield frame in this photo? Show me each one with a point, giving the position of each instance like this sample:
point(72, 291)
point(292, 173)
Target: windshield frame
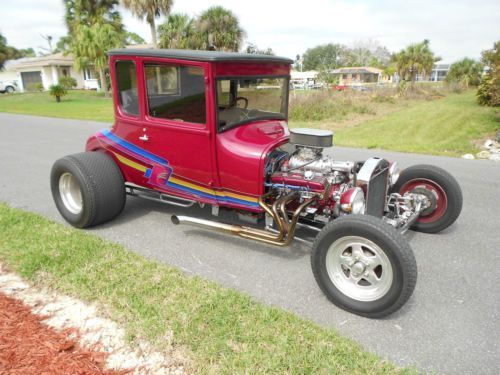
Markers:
point(284, 116)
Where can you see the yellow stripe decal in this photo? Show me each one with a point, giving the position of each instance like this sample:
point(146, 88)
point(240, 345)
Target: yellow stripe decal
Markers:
point(211, 191)
point(223, 193)
point(131, 163)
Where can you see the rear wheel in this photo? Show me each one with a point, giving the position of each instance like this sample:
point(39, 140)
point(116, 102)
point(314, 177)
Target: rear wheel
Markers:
point(441, 190)
point(9, 89)
point(88, 188)
point(364, 266)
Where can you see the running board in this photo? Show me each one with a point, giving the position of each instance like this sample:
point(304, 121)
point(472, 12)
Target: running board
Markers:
point(153, 195)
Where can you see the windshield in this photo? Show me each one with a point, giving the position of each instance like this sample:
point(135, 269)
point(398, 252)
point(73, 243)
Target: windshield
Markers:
point(242, 100)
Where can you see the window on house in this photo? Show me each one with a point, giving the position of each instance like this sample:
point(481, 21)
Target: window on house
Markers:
point(87, 74)
point(126, 81)
point(176, 92)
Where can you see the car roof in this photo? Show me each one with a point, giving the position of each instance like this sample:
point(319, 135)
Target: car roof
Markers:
point(198, 55)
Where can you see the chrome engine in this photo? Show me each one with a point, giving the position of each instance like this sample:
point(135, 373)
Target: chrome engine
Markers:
point(341, 187)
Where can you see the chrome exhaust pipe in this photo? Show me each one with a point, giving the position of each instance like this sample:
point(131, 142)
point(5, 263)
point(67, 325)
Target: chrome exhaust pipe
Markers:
point(222, 227)
point(286, 229)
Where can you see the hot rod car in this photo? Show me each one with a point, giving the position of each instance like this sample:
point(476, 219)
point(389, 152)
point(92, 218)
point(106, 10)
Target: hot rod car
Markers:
point(210, 128)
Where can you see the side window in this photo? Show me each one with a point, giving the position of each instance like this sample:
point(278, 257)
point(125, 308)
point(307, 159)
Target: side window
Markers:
point(176, 92)
point(127, 87)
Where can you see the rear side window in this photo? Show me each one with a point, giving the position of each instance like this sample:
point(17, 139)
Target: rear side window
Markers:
point(176, 92)
point(127, 87)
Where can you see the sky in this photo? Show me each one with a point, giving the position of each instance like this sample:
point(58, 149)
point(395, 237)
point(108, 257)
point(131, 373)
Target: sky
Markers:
point(456, 28)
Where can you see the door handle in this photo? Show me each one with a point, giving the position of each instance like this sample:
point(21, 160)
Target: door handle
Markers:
point(144, 138)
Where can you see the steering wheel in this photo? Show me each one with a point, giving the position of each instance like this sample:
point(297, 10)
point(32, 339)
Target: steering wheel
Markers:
point(235, 101)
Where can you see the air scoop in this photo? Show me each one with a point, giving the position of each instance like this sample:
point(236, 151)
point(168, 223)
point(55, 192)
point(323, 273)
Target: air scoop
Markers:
point(311, 137)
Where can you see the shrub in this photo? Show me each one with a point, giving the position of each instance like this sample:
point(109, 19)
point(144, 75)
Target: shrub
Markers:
point(67, 82)
point(38, 87)
point(488, 92)
point(57, 91)
point(489, 89)
point(322, 105)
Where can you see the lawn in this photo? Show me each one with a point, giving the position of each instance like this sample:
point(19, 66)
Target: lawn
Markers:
point(444, 126)
point(425, 121)
point(224, 331)
point(78, 104)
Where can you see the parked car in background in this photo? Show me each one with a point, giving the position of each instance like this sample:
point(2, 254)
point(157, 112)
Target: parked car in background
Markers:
point(340, 87)
point(8, 86)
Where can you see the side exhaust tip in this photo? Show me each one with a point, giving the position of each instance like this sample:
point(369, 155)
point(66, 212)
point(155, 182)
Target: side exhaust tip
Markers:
point(175, 220)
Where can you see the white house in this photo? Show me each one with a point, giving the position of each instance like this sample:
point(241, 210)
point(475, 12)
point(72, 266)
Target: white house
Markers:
point(303, 80)
point(360, 75)
point(29, 72)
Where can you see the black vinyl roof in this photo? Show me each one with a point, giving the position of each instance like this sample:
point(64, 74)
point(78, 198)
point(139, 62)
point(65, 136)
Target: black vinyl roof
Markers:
point(195, 55)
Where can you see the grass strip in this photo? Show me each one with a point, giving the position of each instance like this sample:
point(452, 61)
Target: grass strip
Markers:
point(226, 331)
point(78, 104)
point(444, 126)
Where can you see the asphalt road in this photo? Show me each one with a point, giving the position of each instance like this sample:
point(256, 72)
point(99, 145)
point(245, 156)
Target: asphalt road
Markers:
point(450, 325)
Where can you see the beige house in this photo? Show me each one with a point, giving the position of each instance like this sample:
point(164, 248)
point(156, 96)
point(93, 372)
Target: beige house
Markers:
point(30, 72)
point(351, 76)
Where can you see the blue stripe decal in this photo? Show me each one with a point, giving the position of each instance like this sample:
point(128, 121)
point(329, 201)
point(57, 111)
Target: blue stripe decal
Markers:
point(164, 164)
point(107, 133)
point(214, 197)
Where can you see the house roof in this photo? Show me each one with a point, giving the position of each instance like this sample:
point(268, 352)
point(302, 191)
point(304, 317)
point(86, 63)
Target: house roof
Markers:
point(140, 46)
point(56, 59)
point(357, 70)
point(192, 55)
point(303, 75)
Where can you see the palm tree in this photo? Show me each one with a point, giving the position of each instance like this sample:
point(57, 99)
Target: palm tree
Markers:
point(89, 12)
point(94, 27)
point(220, 28)
point(466, 72)
point(149, 9)
point(415, 59)
point(179, 31)
point(4, 54)
point(89, 47)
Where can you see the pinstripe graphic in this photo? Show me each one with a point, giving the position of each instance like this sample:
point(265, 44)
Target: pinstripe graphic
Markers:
point(159, 172)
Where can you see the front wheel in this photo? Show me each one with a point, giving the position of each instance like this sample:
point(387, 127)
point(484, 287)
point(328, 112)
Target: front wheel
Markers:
point(441, 190)
point(364, 265)
point(9, 89)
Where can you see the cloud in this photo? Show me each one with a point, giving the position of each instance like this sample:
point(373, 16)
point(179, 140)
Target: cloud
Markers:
point(456, 28)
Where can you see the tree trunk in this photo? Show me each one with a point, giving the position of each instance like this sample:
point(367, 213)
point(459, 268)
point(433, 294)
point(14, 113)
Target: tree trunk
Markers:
point(58, 99)
point(153, 33)
point(104, 86)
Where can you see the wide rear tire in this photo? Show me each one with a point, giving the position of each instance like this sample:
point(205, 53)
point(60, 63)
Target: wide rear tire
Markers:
point(364, 265)
point(88, 188)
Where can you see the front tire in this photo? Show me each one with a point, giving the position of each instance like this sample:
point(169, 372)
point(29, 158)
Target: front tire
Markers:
point(442, 190)
point(9, 89)
point(88, 188)
point(364, 265)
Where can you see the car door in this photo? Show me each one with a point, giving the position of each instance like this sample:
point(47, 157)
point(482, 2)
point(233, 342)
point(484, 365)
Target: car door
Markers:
point(175, 126)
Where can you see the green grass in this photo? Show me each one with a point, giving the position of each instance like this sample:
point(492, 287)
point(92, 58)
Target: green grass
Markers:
point(224, 331)
point(78, 104)
point(418, 122)
point(444, 126)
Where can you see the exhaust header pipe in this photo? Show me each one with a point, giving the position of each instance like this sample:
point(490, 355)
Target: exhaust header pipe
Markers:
point(282, 238)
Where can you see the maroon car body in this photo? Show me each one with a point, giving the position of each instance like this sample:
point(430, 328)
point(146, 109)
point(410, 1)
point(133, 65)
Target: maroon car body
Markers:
point(210, 128)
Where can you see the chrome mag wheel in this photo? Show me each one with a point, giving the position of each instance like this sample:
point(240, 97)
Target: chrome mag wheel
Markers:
point(359, 268)
point(71, 194)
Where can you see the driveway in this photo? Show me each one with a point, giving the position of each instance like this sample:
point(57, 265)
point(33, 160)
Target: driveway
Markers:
point(450, 325)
